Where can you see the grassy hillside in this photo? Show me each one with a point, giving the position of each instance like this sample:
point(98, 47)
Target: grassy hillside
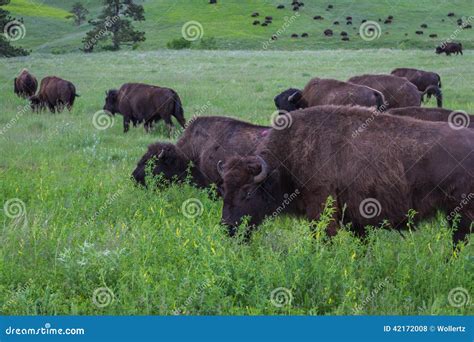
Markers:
point(86, 229)
point(229, 22)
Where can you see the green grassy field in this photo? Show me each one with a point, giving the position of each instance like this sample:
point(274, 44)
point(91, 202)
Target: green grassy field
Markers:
point(230, 24)
point(89, 242)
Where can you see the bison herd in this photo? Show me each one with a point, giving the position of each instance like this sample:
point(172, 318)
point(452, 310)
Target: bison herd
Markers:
point(363, 140)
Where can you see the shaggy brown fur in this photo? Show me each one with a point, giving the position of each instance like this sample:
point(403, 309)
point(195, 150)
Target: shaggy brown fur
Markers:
point(54, 93)
point(139, 102)
point(398, 91)
point(25, 84)
point(402, 163)
point(449, 48)
point(205, 141)
point(435, 114)
point(320, 91)
point(422, 79)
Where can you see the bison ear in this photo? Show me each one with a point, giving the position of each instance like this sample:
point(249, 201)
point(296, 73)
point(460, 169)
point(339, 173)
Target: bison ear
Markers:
point(295, 97)
point(220, 168)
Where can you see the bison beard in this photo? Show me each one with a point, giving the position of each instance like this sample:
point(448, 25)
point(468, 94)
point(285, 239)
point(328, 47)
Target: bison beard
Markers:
point(205, 142)
point(423, 166)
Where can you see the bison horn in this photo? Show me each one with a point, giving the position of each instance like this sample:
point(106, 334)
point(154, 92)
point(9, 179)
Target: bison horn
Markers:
point(220, 168)
point(263, 174)
point(162, 154)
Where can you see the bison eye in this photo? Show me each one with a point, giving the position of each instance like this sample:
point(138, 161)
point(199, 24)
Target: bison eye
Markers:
point(248, 195)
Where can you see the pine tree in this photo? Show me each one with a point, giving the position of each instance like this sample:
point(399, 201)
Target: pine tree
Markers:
point(79, 13)
point(114, 23)
point(6, 49)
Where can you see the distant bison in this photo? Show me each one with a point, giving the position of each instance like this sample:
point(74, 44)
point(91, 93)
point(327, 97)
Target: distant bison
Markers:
point(205, 141)
point(304, 35)
point(398, 91)
point(456, 118)
point(54, 93)
point(375, 178)
point(318, 17)
point(422, 79)
point(320, 91)
point(139, 102)
point(25, 84)
point(449, 48)
point(328, 32)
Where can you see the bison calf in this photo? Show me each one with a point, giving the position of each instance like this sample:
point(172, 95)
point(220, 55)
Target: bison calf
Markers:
point(422, 79)
point(54, 93)
point(139, 102)
point(25, 84)
point(205, 141)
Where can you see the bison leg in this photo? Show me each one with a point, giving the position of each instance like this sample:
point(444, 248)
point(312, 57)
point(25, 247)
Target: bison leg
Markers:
point(169, 125)
point(464, 228)
point(126, 124)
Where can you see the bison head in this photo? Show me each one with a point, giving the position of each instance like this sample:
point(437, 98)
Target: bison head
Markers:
point(35, 103)
point(165, 159)
point(251, 188)
point(111, 101)
point(439, 50)
point(288, 100)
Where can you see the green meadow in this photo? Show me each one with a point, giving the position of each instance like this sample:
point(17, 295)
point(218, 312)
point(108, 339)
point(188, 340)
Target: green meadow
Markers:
point(77, 237)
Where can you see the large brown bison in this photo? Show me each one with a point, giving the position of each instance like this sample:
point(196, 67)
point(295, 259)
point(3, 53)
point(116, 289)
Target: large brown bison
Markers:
point(138, 102)
point(422, 79)
point(25, 84)
point(205, 141)
point(449, 48)
point(394, 165)
point(398, 91)
point(320, 91)
point(54, 93)
point(456, 118)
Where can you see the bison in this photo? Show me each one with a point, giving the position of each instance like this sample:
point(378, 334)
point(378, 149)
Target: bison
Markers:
point(422, 79)
point(25, 84)
point(398, 91)
point(54, 93)
point(139, 102)
point(205, 141)
point(424, 166)
point(320, 91)
point(456, 118)
point(449, 48)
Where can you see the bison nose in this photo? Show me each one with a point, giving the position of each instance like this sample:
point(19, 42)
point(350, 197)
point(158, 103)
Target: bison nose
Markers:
point(139, 176)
